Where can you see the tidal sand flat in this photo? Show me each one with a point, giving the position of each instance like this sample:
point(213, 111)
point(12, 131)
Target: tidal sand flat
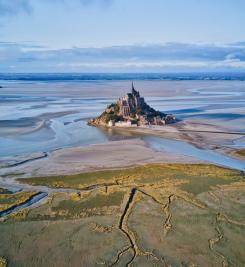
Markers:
point(116, 154)
point(49, 115)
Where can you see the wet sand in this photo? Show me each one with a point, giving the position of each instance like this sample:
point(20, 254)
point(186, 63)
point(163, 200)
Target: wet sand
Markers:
point(29, 125)
point(53, 116)
point(200, 135)
point(42, 116)
point(116, 154)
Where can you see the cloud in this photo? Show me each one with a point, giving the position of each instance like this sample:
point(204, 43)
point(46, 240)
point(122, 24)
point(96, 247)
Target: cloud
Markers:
point(131, 65)
point(21, 45)
point(238, 44)
point(151, 57)
point(13, 7)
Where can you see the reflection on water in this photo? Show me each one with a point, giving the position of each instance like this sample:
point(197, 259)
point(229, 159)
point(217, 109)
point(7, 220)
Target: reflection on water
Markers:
point(182, 148)
point(64, 135)
point(45, 116)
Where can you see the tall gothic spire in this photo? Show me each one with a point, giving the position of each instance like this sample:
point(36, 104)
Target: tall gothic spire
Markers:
point(133, 86)
point(134, 92)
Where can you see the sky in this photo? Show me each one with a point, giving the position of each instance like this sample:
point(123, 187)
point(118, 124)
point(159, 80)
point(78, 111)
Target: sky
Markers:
point(122, 35)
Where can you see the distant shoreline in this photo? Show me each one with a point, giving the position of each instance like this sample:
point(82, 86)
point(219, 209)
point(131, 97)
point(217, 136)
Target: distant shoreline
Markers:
point(198, 76)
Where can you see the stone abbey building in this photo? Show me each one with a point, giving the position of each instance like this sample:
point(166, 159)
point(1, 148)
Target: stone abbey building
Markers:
point(130, 103)
point(131, 110)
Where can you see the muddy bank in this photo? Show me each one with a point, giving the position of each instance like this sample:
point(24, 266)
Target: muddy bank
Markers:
point(28, 203)
point(8, 162)
point(116, 154)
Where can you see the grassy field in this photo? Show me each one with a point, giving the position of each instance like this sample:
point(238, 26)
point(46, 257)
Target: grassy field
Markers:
point(66, 206)
point(8, 200)
point(153, 215)
point(196, 177)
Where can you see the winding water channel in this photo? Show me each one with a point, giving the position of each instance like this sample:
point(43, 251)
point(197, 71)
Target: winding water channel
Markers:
point(158, 144)
point(28, 203)
point(183, 148)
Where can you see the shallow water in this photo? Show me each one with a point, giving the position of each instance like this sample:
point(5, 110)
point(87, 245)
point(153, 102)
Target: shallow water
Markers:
point(29, 203)
point(43, 116)
point(182, 148)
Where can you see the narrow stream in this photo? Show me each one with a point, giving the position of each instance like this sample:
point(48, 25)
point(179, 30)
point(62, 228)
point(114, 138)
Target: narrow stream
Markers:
point(28, 203)
point(158, 144)
point(182, 148)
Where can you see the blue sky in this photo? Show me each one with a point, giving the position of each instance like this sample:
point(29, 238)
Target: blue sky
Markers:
point(122, 35)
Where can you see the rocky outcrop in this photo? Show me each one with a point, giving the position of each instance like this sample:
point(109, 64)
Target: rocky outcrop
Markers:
point(132, 110)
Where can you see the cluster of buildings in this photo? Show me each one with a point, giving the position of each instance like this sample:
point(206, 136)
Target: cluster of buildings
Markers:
point(130, 103)
point(132, 110)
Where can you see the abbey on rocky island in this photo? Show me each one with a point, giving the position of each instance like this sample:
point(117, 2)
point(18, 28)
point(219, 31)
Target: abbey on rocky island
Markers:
point(131, 110)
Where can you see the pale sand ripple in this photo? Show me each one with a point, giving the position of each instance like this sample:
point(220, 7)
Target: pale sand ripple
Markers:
point(116, 154)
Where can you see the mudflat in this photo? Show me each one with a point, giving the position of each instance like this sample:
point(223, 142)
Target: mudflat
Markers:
point(112, 155)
